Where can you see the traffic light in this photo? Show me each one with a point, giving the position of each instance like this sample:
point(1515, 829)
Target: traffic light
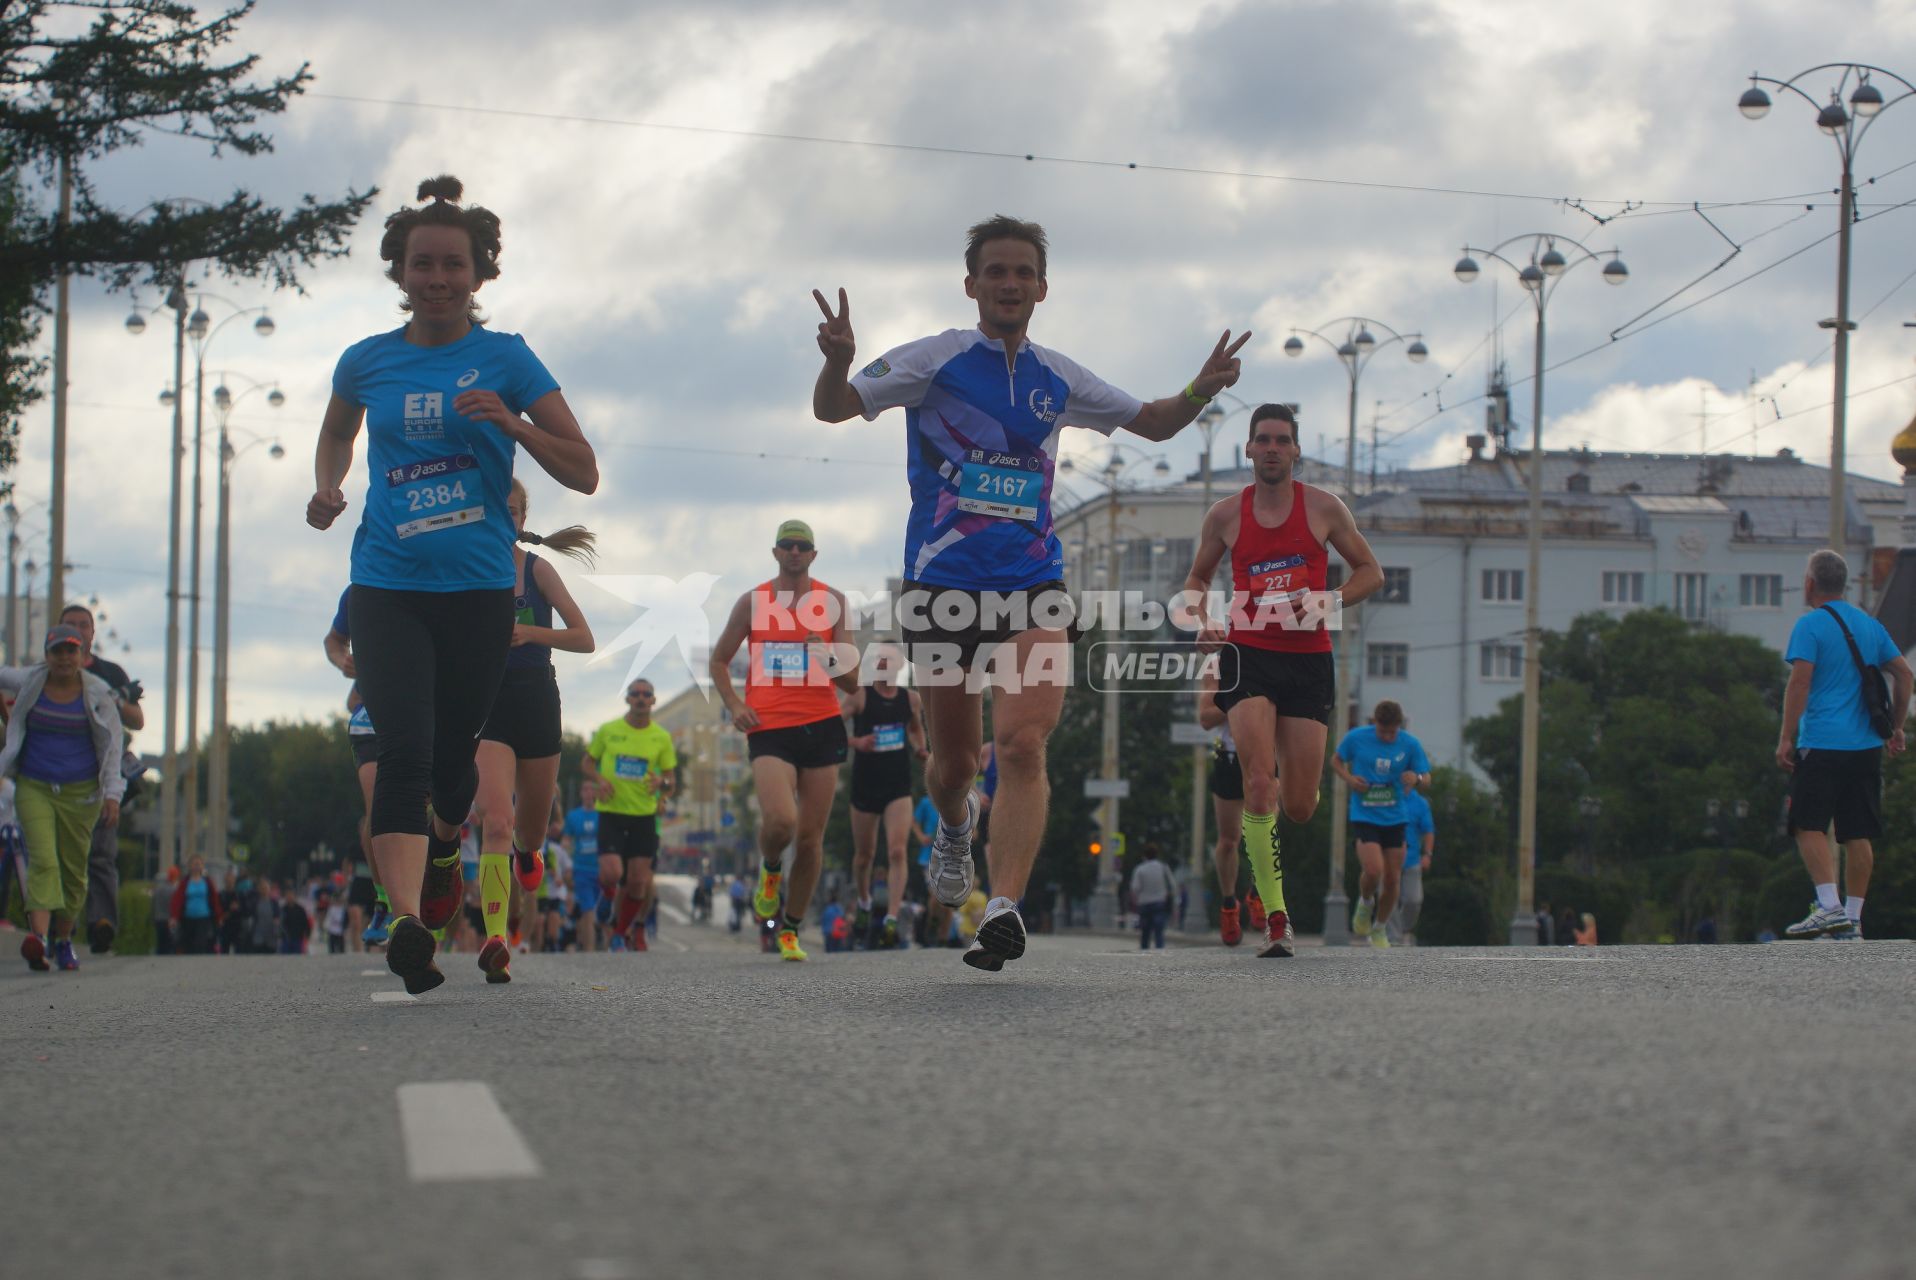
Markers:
point(1095, 846)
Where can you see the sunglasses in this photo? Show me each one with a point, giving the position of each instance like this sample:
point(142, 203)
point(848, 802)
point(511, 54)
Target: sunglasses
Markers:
point(792, 544)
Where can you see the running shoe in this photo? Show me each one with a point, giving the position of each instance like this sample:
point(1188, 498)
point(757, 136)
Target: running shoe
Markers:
point(1852, 934)
point(889, 932)
point(63, 956)
point(1228, 926)
point(99, 936)
point(765, 897)
point(617, 943)
point(443, 891)
point(409, 952)
point(375, 934)
point(951, 870)
point(1255, 919)
point(1279, 941)
point(33, 949)
point(638, 936)
point(1360, 918)
point(1000, 938)
point(862, 929)
point(1819, 921)
point(788, 948)
point(495, 959)
point(529, 867)
point(1380, 937)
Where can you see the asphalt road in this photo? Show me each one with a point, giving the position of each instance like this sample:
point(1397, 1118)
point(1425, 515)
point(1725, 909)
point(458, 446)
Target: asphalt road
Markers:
point(1694, 1111)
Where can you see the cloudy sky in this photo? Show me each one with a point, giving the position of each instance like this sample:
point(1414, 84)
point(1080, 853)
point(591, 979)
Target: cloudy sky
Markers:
point(675, 178)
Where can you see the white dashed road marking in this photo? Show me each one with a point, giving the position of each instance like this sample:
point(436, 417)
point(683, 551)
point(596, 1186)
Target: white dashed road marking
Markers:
point(455, 1132)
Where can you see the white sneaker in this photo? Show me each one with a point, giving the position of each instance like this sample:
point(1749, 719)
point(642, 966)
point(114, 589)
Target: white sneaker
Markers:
point(1819, 921)
point(951, 871)
point(1001, 937)
point(1853, 932)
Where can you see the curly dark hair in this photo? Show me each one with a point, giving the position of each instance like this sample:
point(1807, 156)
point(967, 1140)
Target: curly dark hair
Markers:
point(479, 223)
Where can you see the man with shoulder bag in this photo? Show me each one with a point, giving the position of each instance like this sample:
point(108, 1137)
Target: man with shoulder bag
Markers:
point(1838, 716)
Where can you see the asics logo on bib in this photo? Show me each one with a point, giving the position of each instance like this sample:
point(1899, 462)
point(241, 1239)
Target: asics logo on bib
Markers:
point(467, 378)
point(424, 414)
point(431, 467)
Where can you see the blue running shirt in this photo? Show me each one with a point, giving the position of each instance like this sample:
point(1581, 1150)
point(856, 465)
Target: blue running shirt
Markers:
point(435, 517)
point(981, 445)
point(1380, 764)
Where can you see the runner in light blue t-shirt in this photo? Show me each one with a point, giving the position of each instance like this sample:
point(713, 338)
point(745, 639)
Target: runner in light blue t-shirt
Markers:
point(1381, 764)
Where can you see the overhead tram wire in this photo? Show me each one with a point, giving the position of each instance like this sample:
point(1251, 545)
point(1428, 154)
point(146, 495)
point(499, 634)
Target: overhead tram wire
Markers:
point(766, 135)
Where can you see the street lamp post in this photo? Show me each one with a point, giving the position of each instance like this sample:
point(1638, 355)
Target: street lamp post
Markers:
point(199, 327)
point(1539, 277)
point(1354, 352)
point(1111, 476)
point(219, 802)
point(1846, 127)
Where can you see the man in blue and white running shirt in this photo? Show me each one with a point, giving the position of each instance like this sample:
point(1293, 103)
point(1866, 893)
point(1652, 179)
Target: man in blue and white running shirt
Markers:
point(1834, 757)
point(983, 566)
point(1381, 764)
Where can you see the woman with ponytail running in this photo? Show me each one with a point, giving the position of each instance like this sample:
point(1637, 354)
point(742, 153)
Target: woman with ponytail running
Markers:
point(446, 403)
point(519, 747)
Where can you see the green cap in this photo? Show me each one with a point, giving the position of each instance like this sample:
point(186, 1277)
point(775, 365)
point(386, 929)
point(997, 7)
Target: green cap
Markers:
point(796, 529)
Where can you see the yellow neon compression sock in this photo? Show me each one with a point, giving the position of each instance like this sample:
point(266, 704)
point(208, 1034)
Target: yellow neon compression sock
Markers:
point(1262, 851)
point(495, 891)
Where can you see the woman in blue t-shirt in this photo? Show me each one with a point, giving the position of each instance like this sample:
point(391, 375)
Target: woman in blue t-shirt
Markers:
point(445, 402)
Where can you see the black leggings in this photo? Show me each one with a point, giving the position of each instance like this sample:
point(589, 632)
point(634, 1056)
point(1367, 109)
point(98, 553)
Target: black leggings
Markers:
point(429, 664)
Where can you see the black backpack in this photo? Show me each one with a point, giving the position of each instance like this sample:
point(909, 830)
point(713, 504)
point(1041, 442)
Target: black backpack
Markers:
point(1882, 722)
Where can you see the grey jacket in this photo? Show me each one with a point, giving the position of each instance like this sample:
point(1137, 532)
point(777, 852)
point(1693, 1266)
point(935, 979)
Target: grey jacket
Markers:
point(102, 713)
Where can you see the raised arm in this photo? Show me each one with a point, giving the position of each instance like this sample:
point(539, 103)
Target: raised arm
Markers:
point(552, 436)
point(1162, 419)
point(833, 398)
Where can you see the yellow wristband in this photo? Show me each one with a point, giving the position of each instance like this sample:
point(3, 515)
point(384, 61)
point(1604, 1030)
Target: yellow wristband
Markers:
point(1190, 393)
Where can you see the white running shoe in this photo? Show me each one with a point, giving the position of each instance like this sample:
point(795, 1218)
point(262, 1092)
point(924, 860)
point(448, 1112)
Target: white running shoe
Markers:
point(1001, 937)
point(1820, 921)
point(951, 872)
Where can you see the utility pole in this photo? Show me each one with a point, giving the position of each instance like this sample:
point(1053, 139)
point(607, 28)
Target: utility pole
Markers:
point(56, 505)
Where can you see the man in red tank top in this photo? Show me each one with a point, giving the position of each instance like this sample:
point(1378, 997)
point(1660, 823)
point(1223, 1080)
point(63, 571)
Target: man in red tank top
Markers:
point(795, 625)
point(1276, 682)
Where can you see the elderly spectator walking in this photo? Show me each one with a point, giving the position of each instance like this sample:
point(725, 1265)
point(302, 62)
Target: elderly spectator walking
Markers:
point(1153, 891)
point(63, 747)
point(103, 851)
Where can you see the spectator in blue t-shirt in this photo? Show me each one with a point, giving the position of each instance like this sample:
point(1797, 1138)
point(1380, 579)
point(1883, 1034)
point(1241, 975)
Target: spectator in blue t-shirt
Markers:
point(1834, 757)
point(582, 828)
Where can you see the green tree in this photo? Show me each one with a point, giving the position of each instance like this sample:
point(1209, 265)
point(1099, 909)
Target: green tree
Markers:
point(19, 326)
point(294, 789)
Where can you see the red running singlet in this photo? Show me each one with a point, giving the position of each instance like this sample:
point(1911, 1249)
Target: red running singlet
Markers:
point(1269, 569)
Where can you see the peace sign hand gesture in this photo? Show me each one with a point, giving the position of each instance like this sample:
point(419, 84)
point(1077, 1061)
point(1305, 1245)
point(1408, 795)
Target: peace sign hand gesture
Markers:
point(1221, 369)
point(835, 331)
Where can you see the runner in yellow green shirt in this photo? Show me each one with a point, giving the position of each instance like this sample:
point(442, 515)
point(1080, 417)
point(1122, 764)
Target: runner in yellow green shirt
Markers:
point(631, 759)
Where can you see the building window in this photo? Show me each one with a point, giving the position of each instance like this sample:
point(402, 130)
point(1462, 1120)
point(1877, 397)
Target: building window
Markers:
point(1622, 586)
point(1500, 660)
point(1761, 591)
point(1396, 589)
point(1387, 661)
point(1502, 586)
point(1691, 597)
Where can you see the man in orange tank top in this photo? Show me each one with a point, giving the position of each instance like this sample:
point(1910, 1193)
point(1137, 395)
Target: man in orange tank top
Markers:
point(795, 626)
point(1275, 678)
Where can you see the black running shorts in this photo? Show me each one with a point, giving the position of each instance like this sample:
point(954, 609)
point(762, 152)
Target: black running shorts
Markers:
point(629, 835)
point(819, 745)
point(525, 713)
point(1300, 685)
point(950, 626)
point(1371, 833)
point(1844, 787)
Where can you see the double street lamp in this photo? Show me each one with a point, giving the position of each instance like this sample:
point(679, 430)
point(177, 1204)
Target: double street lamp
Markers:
point(219, 801)
point(200, 328)
point(1112, 477)
point(1540, 262)
point(1846, 127)
point(1354, 351)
